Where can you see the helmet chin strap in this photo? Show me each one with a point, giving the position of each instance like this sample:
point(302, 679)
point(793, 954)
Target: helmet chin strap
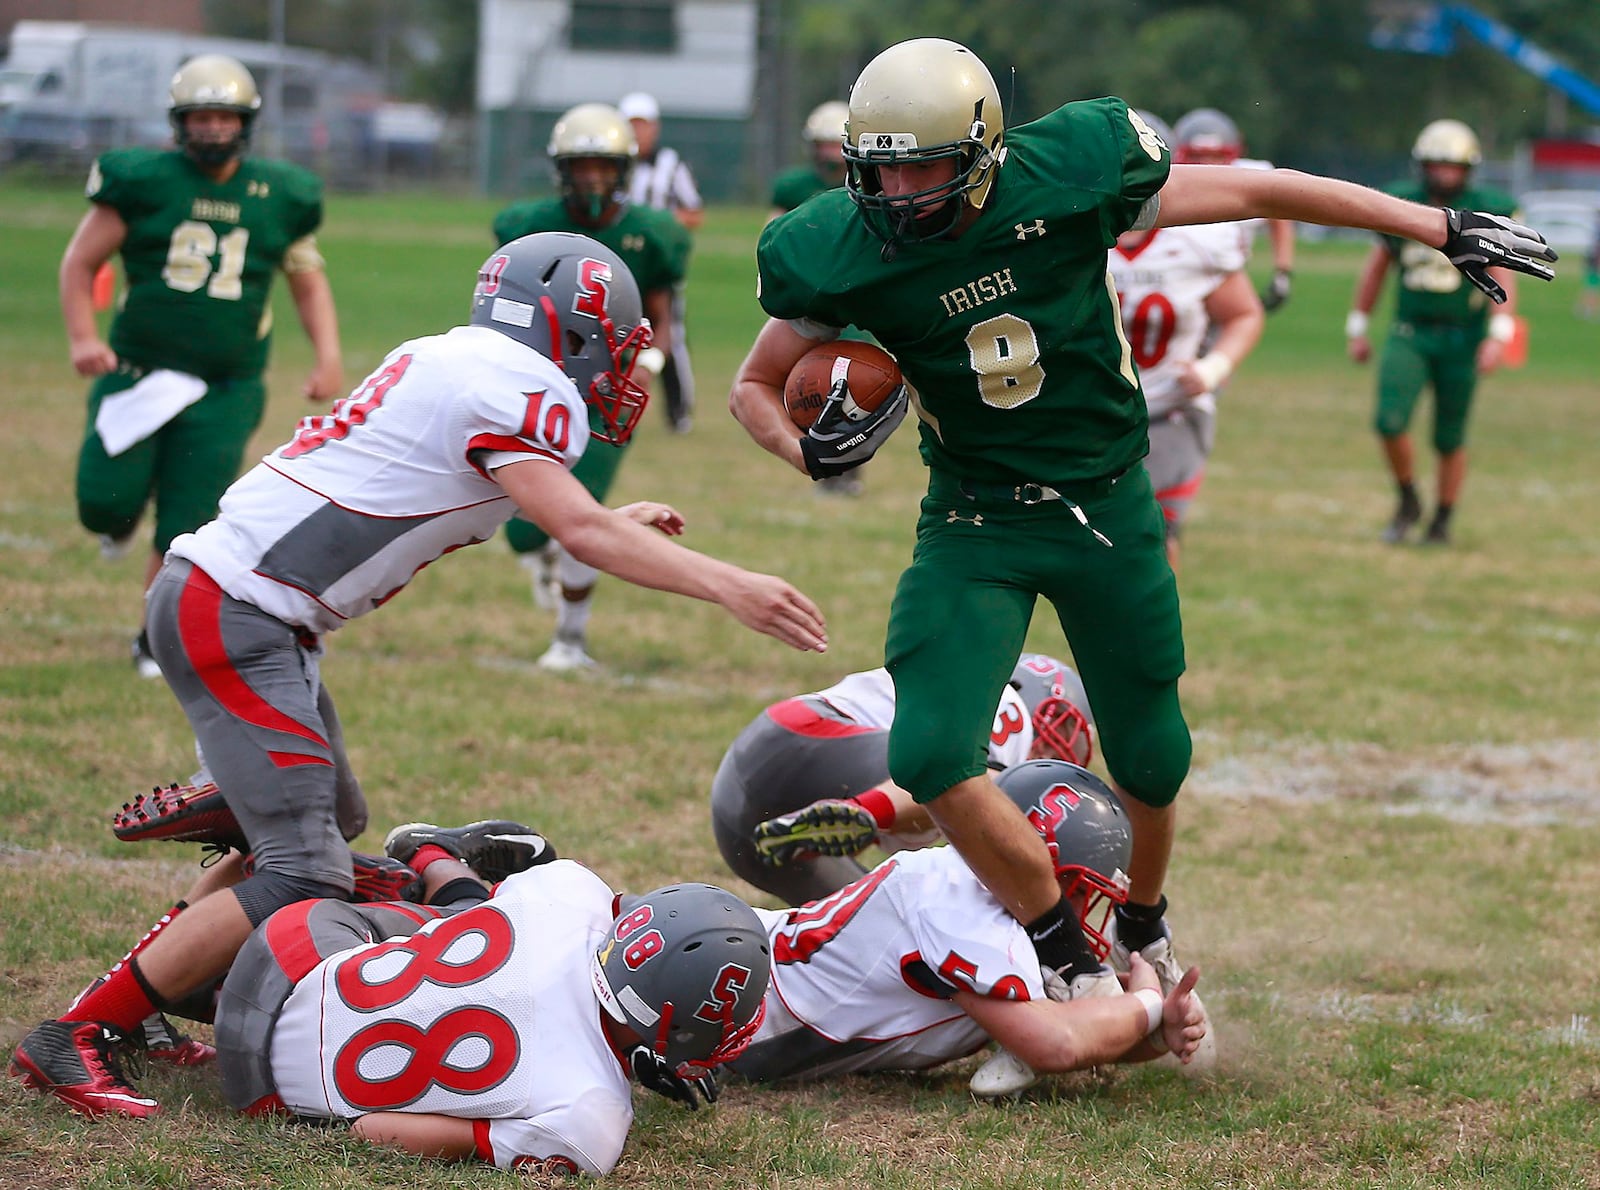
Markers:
point(212, 155)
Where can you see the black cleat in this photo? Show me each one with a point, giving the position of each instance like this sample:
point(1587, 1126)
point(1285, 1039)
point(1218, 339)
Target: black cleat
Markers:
point(493, 849)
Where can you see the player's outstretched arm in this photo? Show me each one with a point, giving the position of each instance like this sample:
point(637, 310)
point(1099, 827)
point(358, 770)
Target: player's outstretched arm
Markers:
point(1473, 241)
point(1056, 1036)
point(100, 234)
point(617, 543)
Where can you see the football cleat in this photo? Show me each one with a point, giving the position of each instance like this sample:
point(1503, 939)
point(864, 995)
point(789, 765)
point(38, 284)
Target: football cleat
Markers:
point(164, 1043)
point(493, 849)
point(822, 828)
point(1159, 954)
point(566, 654)
point(182, 814)
point(76, 1061)
point(1406, 515)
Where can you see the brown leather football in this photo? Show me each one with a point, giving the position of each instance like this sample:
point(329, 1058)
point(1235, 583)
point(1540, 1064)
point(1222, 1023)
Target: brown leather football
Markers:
point(870, 372)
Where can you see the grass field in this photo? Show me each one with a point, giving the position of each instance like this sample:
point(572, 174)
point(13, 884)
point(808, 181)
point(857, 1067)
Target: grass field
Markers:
point(1389, 854)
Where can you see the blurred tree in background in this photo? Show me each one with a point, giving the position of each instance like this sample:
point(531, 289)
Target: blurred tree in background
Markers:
point(1300, 76)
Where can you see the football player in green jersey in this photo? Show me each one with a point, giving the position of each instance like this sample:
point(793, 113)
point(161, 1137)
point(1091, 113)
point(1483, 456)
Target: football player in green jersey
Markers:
point(201, 230)
point(593, 150)
point(978, 256)
point(1443, 334)
point(824, 137)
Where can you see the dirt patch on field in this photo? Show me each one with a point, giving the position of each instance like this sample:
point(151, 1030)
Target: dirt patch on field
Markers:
point(1551, 782)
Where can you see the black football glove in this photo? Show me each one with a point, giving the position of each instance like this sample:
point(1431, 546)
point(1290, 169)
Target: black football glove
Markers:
point(1476, 242)
point(651, 1071)
point(1277, 291)
point(834, 444)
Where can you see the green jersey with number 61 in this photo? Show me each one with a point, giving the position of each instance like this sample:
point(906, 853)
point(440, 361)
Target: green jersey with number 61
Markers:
point(1009, 334)
point(1431, 288)
point(200, 255)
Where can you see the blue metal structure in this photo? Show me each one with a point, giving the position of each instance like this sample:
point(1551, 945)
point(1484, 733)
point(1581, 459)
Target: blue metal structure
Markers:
point(1434, 29)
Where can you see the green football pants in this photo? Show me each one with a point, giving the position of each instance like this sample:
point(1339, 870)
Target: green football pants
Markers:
point(184, 467)
point(960, 618)
point(1445, 357)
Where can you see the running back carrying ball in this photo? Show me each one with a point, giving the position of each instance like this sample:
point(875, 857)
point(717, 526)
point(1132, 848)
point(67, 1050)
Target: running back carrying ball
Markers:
point(870, 374)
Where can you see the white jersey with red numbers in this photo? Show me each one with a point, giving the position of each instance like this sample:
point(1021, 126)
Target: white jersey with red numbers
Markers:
point(867, 698)
point(487, 1015)
point(338, 519)
point(1162, 285)
point(862, 980)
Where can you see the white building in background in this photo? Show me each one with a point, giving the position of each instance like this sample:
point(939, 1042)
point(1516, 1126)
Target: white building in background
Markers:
point(536, 58)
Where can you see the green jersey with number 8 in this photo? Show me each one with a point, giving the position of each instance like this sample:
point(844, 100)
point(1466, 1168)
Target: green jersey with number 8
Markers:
point(1009, 334)
point(200, 255)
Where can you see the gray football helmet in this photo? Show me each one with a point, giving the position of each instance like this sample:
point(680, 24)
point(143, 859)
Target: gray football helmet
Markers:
point(922, 100)
point(1087, 831)
point(1054, 696)
point(685, 967)
point(574, 301)
point(212, 82)
point(1206, 136)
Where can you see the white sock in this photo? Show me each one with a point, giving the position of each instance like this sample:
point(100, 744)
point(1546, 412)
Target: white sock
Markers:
point(572, 618)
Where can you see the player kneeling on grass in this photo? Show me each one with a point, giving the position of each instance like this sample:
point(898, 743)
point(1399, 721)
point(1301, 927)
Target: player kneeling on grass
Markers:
point(506, 1028)
point(917, 963)
point(434, 451)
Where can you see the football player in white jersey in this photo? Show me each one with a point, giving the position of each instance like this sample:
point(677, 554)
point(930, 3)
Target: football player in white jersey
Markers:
point(916, 963)
point(435, 450)
point(805, 787)
point(1206, 136)
point(504, 1028)
point(1175, 284)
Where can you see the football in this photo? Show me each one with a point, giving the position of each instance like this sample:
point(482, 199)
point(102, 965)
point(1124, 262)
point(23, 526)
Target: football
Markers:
point(868, 370)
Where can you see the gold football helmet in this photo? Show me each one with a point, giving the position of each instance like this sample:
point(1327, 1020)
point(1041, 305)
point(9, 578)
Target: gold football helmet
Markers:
point(593, 130)
point(1449, 142)
point(921, 101)
point(212, 82)
point(826, 122)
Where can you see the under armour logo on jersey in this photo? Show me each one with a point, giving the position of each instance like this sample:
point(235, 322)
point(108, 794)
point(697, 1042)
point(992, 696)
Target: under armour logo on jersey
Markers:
point(258, 189)
point(1025, 230)
point(955, 517)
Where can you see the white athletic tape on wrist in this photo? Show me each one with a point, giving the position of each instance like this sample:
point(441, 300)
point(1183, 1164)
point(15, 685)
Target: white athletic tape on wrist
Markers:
point(1355, 325)
point(1151, 999)
point(1213, 369)
point(1502, 328)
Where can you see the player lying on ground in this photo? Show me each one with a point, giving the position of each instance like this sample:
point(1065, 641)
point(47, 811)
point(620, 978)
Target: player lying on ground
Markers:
point(448, 438)
point(505, 1028)
point(916, 963)
point(807, 782)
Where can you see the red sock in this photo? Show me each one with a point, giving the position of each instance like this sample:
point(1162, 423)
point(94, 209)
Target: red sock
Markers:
point(427, 855)
point(877, 803)
point(120, 997)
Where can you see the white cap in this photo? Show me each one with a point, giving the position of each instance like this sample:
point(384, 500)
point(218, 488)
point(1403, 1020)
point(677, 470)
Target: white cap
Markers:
point(638, 105)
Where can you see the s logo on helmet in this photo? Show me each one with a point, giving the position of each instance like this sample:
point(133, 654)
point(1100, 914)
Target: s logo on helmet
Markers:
point(489, 279)
point(1057, 802)
point(725, 989)
point(594, 288)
